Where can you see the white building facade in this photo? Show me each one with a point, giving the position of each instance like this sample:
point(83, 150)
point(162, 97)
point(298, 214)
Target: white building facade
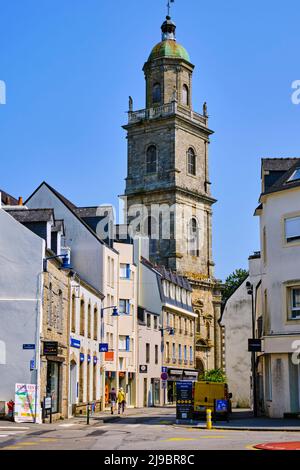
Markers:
point(279, 214)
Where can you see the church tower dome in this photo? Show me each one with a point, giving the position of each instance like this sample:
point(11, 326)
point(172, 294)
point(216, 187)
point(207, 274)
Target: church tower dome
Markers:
point(169, 47)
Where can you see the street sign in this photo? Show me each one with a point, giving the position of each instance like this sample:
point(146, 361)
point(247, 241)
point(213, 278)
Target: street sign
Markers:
point(254, 345)
point(75, 343)
point(103, 347)
point(184, 400)
point(47, 403)
point(32, 364)
point(164, 384)
point(28, 346)
point(50, 348)
point(221, 406)
point(164, 376)
point(143, 369)
point(164, 369)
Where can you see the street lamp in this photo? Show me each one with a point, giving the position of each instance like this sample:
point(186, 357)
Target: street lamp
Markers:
point(65, 262)
point(250, 291)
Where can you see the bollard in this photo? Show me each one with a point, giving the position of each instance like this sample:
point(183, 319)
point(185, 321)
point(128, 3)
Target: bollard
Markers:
point(88, 414)
point(208, 419)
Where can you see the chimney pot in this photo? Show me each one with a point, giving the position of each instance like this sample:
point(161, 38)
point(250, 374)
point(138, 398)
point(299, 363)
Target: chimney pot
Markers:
point(20, 202)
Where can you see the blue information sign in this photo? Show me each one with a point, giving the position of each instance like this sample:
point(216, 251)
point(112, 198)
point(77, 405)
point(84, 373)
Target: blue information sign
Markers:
point(103, 347)
point(164, 369)
point(75, 343)
point(28, 346)
point(184, 400)
point(221, 406)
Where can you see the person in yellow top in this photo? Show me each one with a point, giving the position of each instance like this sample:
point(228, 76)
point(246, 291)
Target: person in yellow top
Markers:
point(121, 400)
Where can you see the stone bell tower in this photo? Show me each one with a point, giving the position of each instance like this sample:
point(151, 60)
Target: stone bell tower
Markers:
point(168, 185)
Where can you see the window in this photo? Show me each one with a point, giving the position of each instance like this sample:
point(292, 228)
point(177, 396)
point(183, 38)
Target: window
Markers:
point(208, 330)
point(60, 315)
point(292, 229)
point(174, 351)
point(295, 176)
point(191, 162)
point(185, 95)
point(180, 352)
point(147, 353)
point(89, 321)
point(156, 354)
point(124, 343)
point(73, 321)
point(151, 159)
point(168, 319)
point(185, 353)
point(193, 238)
point(124, 271)
point(124, 307)
point(191, 354)
point(53, 388)
point(95, 324)
point(185, 327)
point(50, 305)
point(264, 245)
point(294, 302)
point(183, 296)
point(167, 351)
point(191, 328)
point(148, 320)
point(82, 317)
point(156, 93)
point(155, 322)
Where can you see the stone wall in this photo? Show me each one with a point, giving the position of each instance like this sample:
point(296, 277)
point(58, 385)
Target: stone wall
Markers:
point(55, 327)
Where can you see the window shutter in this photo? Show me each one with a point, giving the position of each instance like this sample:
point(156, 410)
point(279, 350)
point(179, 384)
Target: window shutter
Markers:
point(128, 271)
point(128, 343)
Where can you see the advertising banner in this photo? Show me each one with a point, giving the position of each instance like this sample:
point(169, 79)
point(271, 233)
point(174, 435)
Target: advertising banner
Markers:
point(26, 408)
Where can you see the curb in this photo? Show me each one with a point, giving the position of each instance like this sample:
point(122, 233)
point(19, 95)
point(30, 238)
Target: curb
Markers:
point(232, 428)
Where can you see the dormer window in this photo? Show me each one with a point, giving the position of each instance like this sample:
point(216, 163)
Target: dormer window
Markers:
point(295, 176)
point(156, 93)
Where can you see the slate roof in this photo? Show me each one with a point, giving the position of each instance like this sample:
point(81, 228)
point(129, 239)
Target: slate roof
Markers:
point(25, 216)
point(7, 199)
point(169, 275)
point(286, 167)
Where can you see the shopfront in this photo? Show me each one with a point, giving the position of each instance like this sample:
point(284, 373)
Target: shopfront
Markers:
point(53, 384)
point(110, 382)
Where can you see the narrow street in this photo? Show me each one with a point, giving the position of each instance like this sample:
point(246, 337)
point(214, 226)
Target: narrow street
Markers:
point(153, 429)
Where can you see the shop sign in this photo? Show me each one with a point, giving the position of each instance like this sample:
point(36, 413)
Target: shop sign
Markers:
point(28, 346)
point(143, 369)
point(109, 356)
point(81, 357)
point(103, 347)
point(88, 358)
point(50, 348)
point(95, 359)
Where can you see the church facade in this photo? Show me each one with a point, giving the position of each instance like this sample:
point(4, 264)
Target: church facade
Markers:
point(168, 189)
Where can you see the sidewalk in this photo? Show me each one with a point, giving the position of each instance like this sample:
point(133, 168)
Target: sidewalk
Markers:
point(243, 420)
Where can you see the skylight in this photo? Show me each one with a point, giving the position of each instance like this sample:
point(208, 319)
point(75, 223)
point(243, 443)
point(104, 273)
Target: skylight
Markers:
point(295, 176)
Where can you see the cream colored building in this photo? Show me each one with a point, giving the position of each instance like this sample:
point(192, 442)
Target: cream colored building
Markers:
point(279, 213)
point(86, 383)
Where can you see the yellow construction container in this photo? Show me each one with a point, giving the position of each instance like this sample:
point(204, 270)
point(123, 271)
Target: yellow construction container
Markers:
point(205, 394)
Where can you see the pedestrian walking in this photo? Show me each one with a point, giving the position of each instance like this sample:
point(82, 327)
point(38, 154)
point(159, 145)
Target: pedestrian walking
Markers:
point(121, 400)
point(112, 400)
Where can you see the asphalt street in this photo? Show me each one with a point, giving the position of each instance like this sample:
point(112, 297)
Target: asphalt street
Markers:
point(150, 431)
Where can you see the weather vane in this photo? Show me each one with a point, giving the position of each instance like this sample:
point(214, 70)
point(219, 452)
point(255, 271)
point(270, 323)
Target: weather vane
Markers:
point(169, 6)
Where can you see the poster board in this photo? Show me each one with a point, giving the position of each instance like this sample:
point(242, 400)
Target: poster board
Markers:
point(26, 407)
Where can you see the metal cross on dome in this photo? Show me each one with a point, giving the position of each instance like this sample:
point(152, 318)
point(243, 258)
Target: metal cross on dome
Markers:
point(169, 6)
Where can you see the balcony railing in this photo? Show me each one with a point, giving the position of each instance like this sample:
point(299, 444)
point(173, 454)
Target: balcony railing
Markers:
point(166, 110)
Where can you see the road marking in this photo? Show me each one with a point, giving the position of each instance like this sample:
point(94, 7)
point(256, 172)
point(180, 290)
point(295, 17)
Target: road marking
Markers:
point(48, 439)
point(13, 427)
point(171, 439)
point(4, 435)
point(211, 437)
point(133, 425)
point(26, 443)
point(66, 425)
point(11, 448)
point(251, 447)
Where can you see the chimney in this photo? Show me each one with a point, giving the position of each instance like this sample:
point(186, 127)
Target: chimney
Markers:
point(20, 201)
point(7, 200)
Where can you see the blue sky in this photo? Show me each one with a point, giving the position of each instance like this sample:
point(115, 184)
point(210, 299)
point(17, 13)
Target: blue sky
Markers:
point(70, 65)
